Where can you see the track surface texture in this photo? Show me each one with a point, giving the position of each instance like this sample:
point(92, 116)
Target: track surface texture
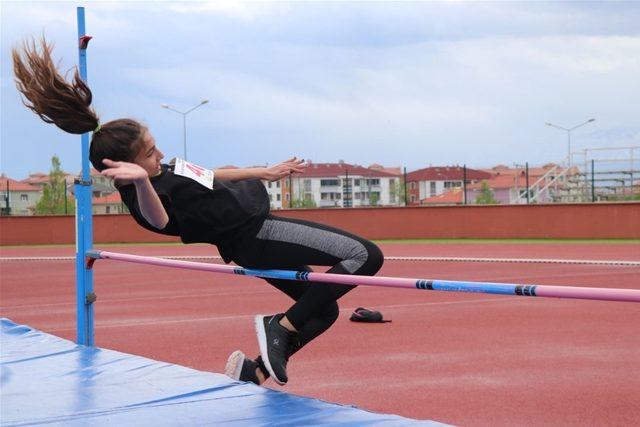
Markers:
point(464, 359)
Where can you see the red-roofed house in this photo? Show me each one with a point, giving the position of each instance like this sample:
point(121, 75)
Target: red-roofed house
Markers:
point(41, 179)
point(396, 170)
point(343, 185)
point(429, 182)
point(108, 204)
point(454, 196)
point(502, 186)
point(101, 185)
point(18, 198)
point(36, 178)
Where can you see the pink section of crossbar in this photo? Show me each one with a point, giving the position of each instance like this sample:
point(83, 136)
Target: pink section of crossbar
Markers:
point(628, 295)
point(607, 294)
point(346, 279)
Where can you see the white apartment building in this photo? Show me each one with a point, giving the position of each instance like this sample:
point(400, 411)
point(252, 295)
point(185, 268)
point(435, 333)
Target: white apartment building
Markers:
point(328, 185)
point(277, 191)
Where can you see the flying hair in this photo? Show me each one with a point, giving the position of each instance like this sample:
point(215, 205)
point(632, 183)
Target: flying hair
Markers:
point(66, 104)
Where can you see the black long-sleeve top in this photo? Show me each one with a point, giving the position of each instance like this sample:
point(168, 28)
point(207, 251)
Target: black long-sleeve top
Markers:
point(231, 211)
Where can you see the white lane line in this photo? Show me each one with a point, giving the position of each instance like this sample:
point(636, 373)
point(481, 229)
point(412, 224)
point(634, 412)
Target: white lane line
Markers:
point(613, 262)
point(72, 303)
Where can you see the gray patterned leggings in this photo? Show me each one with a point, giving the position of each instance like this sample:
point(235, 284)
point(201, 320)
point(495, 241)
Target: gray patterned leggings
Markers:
point(292, 244)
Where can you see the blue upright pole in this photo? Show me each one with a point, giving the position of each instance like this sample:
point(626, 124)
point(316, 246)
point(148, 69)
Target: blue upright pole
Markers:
point(84, 232)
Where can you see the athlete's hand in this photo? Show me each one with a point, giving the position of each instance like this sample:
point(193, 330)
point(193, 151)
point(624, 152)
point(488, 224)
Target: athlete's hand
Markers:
point(124, 171)
point(284, 169)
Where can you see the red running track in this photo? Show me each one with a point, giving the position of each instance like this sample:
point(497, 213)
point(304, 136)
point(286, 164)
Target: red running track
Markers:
point(457, 358)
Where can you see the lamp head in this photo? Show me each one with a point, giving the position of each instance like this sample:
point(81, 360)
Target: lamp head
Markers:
point(164, 106)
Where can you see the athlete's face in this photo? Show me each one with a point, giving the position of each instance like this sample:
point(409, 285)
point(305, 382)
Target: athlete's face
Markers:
point(149, 156)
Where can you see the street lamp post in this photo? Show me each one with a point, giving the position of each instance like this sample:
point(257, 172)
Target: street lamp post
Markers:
point(569, 136)
point(184, 121)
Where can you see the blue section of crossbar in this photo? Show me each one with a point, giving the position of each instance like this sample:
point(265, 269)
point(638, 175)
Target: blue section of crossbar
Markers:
point(486, 288)
point(274, 274)
point(48, 380)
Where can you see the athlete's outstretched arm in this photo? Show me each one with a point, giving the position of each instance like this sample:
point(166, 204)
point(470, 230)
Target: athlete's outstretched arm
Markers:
point(148, 200)
point(270, 174)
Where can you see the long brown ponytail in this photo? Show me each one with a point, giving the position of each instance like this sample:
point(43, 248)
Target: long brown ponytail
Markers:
point(48, 94)
point(68, 105)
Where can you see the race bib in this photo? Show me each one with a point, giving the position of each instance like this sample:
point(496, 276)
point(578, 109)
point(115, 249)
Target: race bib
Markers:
point(197, 173)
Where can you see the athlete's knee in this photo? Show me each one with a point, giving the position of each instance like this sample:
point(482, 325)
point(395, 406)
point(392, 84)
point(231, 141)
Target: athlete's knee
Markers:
point(375, 259)
point(363, 257)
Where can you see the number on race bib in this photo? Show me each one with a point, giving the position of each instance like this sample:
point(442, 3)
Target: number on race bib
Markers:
point(197, 173)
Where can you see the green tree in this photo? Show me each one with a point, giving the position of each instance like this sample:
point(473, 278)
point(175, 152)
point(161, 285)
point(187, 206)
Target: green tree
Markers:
point(486, 195)
point(374, 199)
point(302, 200)
point(396, 192)
point(54, 193)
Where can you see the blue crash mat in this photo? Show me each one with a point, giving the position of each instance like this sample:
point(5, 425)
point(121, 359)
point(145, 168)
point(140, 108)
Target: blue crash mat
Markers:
point(46, 379)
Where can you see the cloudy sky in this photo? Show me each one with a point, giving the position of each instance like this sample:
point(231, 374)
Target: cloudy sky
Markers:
point(402, 84)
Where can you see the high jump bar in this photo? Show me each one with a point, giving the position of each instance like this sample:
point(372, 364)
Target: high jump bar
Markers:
point(602, 294)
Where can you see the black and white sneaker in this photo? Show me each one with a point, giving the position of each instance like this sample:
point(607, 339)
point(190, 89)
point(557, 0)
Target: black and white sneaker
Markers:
point(239, 367)
point(274, 341)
